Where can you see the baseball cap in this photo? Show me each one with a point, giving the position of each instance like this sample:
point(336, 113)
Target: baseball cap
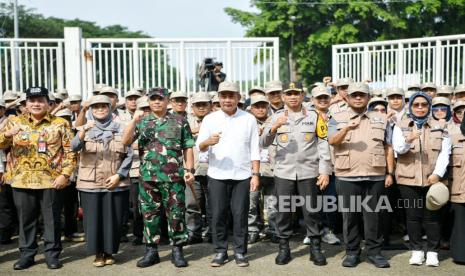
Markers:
point(440, 100)
point(344, 81)
point(98, 87)
point(256, 89)
point(358, 87)
point(64, 112)
point(9, 95)
point(100, 99)
point(158, 91)
point(37, 91)
point(258, 99)
point(228, 86)
point(178, 94)
point(458, 104)
point(108, 90)
point(395, 91)
point(75, 98)
point(293, 86)
point(445, 90)
point(428, 85)
point(132, 92)
point(437, 196)
point(215, 99)
point(142, 102)
point(273, 86)
point(413, 86)
point(320, 90)
point(2, 103)
point(459, 88)
point(200, 97)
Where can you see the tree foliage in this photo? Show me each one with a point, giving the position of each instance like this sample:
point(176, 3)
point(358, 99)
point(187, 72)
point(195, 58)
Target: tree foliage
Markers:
point(314, 26)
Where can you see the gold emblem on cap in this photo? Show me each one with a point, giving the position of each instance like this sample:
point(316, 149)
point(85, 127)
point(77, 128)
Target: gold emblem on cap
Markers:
point(284, 138)
point(292, 85)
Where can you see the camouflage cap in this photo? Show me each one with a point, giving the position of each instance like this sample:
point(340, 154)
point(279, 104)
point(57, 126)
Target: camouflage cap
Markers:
point(100, 99)
point(395, 91)
point(258, 99)
point(273, 86)
point(440, 100)
point(158, 91)
point(428, 85)
point(75, 98)
point(228, 86)
point(178, 94)
point(358, 87)
point(344, 82)
point(459, 88)
point(142, 102)
point(200, 97)
point(319, 91)
point(293, 86)
point(9, 95)
point(108, 90)
point(256, 89)
point(458, 104)
point(64, 112)
point(445, 90)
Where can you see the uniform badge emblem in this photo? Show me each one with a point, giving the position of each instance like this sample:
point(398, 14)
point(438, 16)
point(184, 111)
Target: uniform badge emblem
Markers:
point(284, 138)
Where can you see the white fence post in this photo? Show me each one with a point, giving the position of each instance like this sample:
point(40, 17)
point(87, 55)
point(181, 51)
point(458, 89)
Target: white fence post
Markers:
point(438, 70)
point(73, 60)
point(135, 64)
point(335, 66)
point(182, 67)
point(400, 65)
point(365, 64)
point(276, 58)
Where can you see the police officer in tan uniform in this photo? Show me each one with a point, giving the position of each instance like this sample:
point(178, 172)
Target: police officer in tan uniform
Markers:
point(364, 165)
point(303, 166)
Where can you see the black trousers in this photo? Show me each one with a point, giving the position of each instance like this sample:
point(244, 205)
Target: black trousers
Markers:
point(70, 206)
point(138, 220)
point(457, 241)
point(103, 219)
point(306, 188)
point(30, 204)
point(8, 217)
point(198, 205)
point(371, 219)
point(229, 195)
point(419, 218)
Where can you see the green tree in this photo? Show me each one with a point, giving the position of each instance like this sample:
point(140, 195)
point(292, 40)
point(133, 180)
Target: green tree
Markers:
point(308, 28)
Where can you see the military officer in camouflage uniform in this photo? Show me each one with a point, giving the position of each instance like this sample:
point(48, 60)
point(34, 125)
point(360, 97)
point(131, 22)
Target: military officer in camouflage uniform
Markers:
point(164, 139)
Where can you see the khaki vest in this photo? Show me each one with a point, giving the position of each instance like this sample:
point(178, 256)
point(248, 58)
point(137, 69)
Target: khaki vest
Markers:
point(362, 151)
point(414, 167)
point(457, 168)
point(97, 164)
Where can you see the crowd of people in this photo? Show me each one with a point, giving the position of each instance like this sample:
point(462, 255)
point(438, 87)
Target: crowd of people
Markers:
point(189, 169)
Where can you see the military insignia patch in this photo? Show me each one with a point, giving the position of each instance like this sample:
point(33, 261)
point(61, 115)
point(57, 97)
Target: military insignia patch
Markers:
point(283, 138)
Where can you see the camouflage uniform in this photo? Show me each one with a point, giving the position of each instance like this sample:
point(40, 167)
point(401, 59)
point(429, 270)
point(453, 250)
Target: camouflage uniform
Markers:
point(161, 145)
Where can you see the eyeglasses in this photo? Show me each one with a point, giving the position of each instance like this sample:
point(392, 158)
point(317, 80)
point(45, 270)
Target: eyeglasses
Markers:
point(442, 108)
point(420, 105)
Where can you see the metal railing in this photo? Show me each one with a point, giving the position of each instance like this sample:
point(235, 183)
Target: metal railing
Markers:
point(29, 62)
point(174, 63)
point(402, 62)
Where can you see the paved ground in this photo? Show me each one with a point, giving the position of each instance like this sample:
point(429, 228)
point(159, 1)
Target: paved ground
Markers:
point(261, 256)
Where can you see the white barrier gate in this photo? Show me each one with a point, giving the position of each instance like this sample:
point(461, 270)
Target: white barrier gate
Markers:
point(402, 62)
point(77, 63)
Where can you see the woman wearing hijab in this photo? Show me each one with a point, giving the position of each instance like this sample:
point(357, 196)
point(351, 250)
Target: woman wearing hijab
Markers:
point(457, 196)
point(378, 105)
point(441, 109)
point(423, 149)
point(102, 180)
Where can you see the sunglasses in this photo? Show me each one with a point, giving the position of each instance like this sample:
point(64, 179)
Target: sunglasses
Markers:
point(442, 108)
point(420, 105)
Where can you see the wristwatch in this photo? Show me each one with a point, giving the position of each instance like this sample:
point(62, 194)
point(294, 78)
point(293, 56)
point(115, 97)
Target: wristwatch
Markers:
point(390, 173)
point(256, 174)
point(192, 171)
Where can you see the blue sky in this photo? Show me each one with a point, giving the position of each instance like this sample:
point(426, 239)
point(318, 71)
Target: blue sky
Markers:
point(159, 18)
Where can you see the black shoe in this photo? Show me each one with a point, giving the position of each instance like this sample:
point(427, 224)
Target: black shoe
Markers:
point(253, 238)
point(284, 254)
point(274, 238)
point(241, 260)
point(23, 264)
point(150, 258)
point(219, 260)
point(351, 261)
point(137, 241)
point(54, 264)
point(194, 240)
point(315, 252)
point(124, 239)
point(379, 261)
point(177, 257)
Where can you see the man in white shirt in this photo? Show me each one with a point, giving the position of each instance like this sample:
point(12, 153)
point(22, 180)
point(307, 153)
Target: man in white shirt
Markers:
point(230, 136)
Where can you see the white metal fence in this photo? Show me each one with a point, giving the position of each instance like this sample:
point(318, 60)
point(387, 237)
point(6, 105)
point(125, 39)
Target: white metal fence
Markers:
point(77, 63)
point(402, 62)
point(174, 63)
point(29, 62)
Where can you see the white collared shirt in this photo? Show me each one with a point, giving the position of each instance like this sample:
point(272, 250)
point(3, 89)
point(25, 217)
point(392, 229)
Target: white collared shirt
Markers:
point(238, 146)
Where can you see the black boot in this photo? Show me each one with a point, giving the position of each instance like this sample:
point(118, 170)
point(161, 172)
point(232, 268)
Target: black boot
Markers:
point(284, 254)
point(177, 257)
point(151, 256)
point(315, 252)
